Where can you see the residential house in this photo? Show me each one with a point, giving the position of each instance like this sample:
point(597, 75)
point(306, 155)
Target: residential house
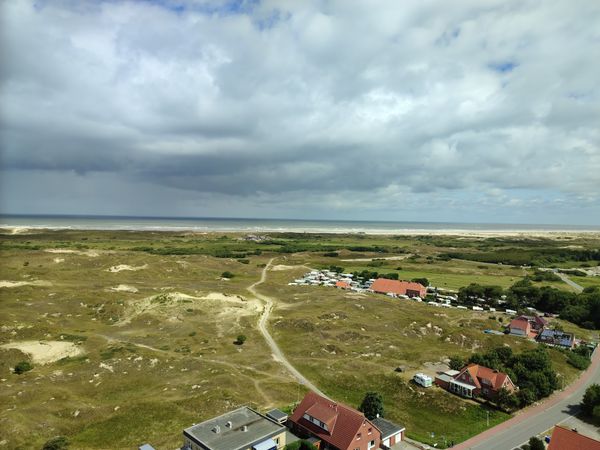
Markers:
point(241, 429)
point(335, 425)
point(395, 287)
point(342, 284)
point(520, 327)
point(565, 439)
point(475, 380)
point(537, 323)
point(391, 433)
point(557, 338)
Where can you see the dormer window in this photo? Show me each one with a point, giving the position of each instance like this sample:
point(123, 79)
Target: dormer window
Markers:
point(316, 421)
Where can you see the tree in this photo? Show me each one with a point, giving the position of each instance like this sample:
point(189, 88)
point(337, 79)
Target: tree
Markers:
point(526, 396)
point(240, 339)
point(423, 281)
point(56, 443)
point(506, 400)
point(22, 367)
point(536, 444)
point(456, 363)
point(591, 399)
point(372, 405)
point(227, 274)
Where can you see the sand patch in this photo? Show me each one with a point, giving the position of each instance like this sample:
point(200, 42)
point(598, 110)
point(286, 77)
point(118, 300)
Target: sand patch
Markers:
point(90, 253)
point(283, 267)
point(45, 352)
point(387, 258)
point(226, 309)
point(124, 288)
point(122, 267)
point(13, 284)
point(59, 260)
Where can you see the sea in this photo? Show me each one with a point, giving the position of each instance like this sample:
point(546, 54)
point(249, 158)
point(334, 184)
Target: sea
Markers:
point(211, 224)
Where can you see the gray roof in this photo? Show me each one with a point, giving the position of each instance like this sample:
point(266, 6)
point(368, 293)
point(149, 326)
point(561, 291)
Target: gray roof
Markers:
point(277, 415)
point(386, 427)
point(146, 447)
point(557, 337)
point(233, 437)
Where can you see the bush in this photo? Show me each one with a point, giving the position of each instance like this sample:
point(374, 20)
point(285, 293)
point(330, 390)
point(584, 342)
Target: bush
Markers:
point(578, 361)
point(240, 339)
point(536, 444)
point(331, 254)
point(227, 274)
point(423, 281)
point(300, 445)
point(22, 367)
point(56, 443)
point(456, 363)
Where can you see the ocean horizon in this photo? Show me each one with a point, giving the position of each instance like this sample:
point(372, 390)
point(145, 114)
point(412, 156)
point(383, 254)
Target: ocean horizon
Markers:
point(208, 224)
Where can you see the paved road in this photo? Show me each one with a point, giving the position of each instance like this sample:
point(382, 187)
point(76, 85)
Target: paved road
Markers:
point(262, 325)
point(535, 420)
point(570, 282)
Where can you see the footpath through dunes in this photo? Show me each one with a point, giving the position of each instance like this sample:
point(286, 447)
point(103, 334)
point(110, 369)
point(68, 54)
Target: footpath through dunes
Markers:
point(262, 325)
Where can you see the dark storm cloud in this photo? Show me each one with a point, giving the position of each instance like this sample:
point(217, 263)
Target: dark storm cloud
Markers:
point(336, 104)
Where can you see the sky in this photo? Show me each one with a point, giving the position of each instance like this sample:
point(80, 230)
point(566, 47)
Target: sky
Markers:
point(462, 111)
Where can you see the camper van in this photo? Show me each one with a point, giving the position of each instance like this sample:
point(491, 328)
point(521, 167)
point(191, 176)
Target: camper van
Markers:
point(423, 380)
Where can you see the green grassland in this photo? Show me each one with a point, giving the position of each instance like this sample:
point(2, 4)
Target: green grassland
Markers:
point(158, 351)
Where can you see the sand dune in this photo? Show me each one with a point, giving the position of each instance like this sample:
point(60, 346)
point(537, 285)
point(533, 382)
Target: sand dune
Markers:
point(45, 352)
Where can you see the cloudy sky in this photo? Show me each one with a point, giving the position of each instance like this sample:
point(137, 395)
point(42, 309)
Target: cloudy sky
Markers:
point(465, 111)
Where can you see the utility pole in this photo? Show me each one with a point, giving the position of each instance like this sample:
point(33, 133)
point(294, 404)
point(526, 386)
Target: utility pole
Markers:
point(488, 419)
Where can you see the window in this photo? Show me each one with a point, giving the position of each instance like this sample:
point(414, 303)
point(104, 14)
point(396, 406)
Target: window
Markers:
point(371, 444)
point(358, 436)
point(370, 430)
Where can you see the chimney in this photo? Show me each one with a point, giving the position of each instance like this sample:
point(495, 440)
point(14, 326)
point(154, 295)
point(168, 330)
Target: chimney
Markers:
point(229, 424)
point(217, 429)
point(245, 428)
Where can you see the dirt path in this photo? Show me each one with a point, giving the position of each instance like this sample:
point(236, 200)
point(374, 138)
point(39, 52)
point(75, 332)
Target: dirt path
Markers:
point(262, 325)
point(236, 367)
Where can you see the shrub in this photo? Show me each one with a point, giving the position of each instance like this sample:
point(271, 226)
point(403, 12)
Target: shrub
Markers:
point(300, 445)
point(22, 367)
point(331, 254)
point(240, 339)
point(456, 363)
point(536, 444)
point(578, 361)
point(227, 274)
point(56, 443)
point(423, 281)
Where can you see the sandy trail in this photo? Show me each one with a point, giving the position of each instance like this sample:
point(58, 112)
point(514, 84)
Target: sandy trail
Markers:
point(124, 288)
point(13, 284)
point(122, 267)
point(90, 253)
point(262, 325)
point(45, 352)
point(387, 258)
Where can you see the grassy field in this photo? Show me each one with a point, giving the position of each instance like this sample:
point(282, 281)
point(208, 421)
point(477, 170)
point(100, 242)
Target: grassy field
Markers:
point(153, 323)
point(337, 337)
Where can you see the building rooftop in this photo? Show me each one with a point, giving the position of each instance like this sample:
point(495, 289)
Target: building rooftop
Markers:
point(386, 427)
point(557, 337)
point(234, 430)
point(564, 439)
point(277, 415)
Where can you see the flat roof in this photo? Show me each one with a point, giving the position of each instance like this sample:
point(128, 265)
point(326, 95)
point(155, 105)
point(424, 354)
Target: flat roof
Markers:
point(277, 414)
point(465, 385)
point(386, 427)
point(231, 437)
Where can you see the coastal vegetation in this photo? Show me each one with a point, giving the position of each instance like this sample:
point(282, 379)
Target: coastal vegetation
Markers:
point(111, 306)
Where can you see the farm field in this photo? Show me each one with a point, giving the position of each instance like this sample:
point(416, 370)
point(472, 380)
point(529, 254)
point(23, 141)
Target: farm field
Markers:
point(131, 334)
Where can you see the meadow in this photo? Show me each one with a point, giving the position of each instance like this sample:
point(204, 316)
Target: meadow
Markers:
point(138, 331)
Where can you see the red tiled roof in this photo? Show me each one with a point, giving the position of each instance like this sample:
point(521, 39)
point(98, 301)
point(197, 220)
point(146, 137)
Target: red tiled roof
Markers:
point(346, 421)
point(522, 324)
point(384, 285)
point(564, 439)
point(479, 373)
point(342, 284)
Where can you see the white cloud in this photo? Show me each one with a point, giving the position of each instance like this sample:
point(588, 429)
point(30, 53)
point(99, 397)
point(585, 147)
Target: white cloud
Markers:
point(457, 105)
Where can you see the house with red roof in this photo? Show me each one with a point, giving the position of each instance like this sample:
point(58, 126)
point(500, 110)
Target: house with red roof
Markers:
point(520, 327)
point(337, 426)
point(342, 284)
point(395, 287)
point(475, 380)
point(565, 439)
